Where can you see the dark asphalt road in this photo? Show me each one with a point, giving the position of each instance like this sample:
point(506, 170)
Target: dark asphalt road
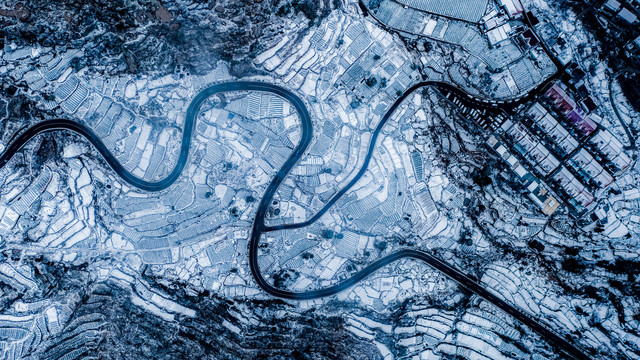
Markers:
point(259, 226)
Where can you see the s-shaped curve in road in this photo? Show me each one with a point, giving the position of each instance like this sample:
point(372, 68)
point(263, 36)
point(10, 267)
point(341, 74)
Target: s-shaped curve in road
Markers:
point(259, 226)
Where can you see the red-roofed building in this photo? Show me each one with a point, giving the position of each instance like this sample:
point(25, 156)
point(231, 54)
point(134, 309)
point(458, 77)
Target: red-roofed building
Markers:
point(560, 98)
point(513, 7)
point(555, 93)
point(582, 121)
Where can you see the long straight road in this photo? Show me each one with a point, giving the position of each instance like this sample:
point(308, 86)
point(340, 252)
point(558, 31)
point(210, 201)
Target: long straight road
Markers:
point(259, 225)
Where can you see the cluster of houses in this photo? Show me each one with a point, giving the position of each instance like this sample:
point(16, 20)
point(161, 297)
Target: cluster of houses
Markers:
point(559, 153)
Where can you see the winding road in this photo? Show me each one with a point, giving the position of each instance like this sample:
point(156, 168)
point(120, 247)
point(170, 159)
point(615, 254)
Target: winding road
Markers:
point(631, 136)
point(259, 226)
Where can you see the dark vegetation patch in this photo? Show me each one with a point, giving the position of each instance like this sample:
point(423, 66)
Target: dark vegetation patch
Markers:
point(141, 36)
point(105, 324)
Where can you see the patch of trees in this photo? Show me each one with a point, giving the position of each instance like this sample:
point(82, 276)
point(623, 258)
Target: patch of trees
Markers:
point(536, 245)
point(371, 81)
point(629, 85)
point(48, 150)
point(573, 265)
point(327, 233)
point(592, 292)
point(572, 251)
point(380, 245)
point(465, 238)
point(622, 266)
point(307, 7)
point(283, 277)
point(374, 4)
point(481, 177)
